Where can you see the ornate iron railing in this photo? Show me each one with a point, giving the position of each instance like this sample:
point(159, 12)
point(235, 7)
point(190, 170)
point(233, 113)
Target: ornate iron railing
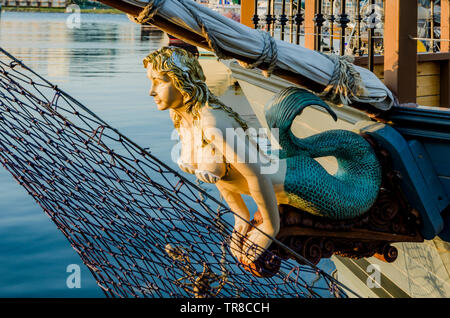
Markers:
point(341, 26)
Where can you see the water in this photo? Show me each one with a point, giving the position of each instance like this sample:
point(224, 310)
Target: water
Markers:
point(100, 64)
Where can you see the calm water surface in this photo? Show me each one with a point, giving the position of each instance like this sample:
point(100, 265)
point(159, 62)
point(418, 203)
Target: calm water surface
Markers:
point(100, 64)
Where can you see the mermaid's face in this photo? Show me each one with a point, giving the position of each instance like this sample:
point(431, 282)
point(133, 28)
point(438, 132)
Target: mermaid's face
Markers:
point(166, 95)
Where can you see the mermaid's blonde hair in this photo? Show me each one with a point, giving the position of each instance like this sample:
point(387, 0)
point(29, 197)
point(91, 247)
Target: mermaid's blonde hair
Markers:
point(187, 76)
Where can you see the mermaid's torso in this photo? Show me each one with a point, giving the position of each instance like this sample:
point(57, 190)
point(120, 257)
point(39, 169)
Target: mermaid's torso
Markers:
point(201, 159)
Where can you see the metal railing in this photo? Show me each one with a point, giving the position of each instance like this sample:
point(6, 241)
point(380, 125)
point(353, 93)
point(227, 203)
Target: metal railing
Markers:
point(352, 27)
point(429, 27)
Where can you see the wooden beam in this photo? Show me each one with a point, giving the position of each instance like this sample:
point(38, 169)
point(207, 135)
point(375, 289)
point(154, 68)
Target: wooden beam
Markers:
point(364, 60)
point(445, 25)
point(445, 84)
point(247, 12)
point(400, 51)
point(445, 47)
point(310, 26)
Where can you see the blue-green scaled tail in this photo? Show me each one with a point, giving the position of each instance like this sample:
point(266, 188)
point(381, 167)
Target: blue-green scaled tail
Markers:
point(347, 194)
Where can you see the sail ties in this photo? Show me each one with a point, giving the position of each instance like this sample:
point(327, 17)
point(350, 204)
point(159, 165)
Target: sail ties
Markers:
point(269, 51)
point(147, 14)
point(345, 84)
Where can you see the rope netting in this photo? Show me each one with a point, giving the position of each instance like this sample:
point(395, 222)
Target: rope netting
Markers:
point(142, 229)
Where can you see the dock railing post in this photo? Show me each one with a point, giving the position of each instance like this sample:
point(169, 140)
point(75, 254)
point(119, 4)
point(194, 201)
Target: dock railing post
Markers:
point(445, 25)
point(400, 50)
point(310, 26)
point(319, 20)
point(247, 12)
point(445, 47)
point(370, 40)
point(343, 21)
point(299, 18)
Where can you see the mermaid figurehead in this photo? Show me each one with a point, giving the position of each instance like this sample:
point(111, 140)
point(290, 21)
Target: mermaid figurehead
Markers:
point(178, 84)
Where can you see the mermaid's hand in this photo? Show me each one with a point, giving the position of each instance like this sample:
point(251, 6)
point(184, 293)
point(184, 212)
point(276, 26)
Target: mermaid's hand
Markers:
point(255, 244)
point(186, 167)
point(237, 238)
point(206, 176)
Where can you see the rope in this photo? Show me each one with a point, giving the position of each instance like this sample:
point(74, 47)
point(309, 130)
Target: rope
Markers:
point(345, 81)
point(269, 51)
point(147, 14)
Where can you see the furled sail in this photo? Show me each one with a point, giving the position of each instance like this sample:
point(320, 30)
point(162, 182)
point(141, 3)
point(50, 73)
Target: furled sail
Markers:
point(335, 78)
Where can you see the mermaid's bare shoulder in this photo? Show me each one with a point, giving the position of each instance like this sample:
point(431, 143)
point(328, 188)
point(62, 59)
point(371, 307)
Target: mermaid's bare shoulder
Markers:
point(214, 121)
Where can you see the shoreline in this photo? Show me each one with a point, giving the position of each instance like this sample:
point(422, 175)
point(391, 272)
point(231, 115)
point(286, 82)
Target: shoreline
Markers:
point(60, 10)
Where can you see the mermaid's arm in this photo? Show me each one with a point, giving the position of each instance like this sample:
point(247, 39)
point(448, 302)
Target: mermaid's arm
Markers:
point(259, 185)
point(238, 206)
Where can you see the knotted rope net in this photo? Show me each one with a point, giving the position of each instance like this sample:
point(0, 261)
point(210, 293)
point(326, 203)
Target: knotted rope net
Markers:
point(142, 229)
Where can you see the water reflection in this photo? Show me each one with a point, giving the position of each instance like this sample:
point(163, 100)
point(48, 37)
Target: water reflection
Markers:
point(150, 33)
point(95, 32)
point(100, 64)
point(86, 51)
